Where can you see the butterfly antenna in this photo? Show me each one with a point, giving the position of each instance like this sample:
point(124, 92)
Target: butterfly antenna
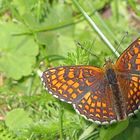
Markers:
point(80, 45)
point(126, 34)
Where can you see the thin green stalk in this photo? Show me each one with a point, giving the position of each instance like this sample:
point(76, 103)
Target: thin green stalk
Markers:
point(116, 9)
point(76, 20)
point(95, 27)
point(97, 15)
point(106, 27)
point(48, 28)
point(29, 89)
point(61, 111)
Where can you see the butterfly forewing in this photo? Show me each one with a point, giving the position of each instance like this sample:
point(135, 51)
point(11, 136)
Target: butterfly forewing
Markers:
point(71, 83)
point(129, 61)
point(128, 69)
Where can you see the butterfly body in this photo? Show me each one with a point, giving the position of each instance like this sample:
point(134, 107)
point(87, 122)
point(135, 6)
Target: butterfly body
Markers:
point(102, 95)
point(117, 95)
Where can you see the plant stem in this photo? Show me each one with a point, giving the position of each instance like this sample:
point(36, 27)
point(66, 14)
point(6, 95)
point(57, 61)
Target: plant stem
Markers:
point(57, 26)
point(116, 10)
point(95, 27)
point(61, 111)
point(29, 89)
point(101, 20)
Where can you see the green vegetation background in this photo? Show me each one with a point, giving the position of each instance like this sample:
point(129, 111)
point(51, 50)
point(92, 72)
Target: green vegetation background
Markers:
point(38, 34)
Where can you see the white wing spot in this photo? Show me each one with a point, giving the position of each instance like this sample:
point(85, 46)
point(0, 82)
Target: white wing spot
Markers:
point(131, 114)
point(113, 121)
point(136, 111)
point(105, 123)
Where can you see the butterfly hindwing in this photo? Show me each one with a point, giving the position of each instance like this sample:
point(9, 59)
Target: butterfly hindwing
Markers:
point(97, 104)
point(130, 87)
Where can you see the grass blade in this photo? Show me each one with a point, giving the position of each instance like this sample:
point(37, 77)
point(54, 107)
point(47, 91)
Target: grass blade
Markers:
point(95, 27)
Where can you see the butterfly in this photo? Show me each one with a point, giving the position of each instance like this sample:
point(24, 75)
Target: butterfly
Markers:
point(102, 95)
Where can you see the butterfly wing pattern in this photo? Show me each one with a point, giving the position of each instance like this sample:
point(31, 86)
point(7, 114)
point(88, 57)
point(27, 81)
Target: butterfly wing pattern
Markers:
point(100, 95)
point(96, 105)
point(83, 86)
point(128, 67)
point(70, 83)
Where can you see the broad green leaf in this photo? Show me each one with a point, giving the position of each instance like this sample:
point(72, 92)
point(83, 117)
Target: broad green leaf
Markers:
point(57, 14)
point(17, 119)
point(56, 44)
point(113, 130)
point(17, 53)
point(58, 40)
point(133, 130)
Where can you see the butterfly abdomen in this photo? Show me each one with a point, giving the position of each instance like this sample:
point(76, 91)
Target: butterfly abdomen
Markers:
point(117, 97)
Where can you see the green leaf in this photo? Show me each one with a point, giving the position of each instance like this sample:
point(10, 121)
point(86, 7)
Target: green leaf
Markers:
point(89, 132)
point(17, 119)
point(113, 130)
point(6, 134)
point(17, 53)
point(58, 41)
point(133, 130)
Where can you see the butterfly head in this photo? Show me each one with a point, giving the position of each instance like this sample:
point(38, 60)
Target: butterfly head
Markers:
point(108, 64)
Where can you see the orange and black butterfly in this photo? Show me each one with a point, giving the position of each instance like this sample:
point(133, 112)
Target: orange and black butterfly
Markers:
point(103, 95)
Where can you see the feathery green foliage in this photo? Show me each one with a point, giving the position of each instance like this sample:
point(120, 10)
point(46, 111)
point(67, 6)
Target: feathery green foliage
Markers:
point(5, 134)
